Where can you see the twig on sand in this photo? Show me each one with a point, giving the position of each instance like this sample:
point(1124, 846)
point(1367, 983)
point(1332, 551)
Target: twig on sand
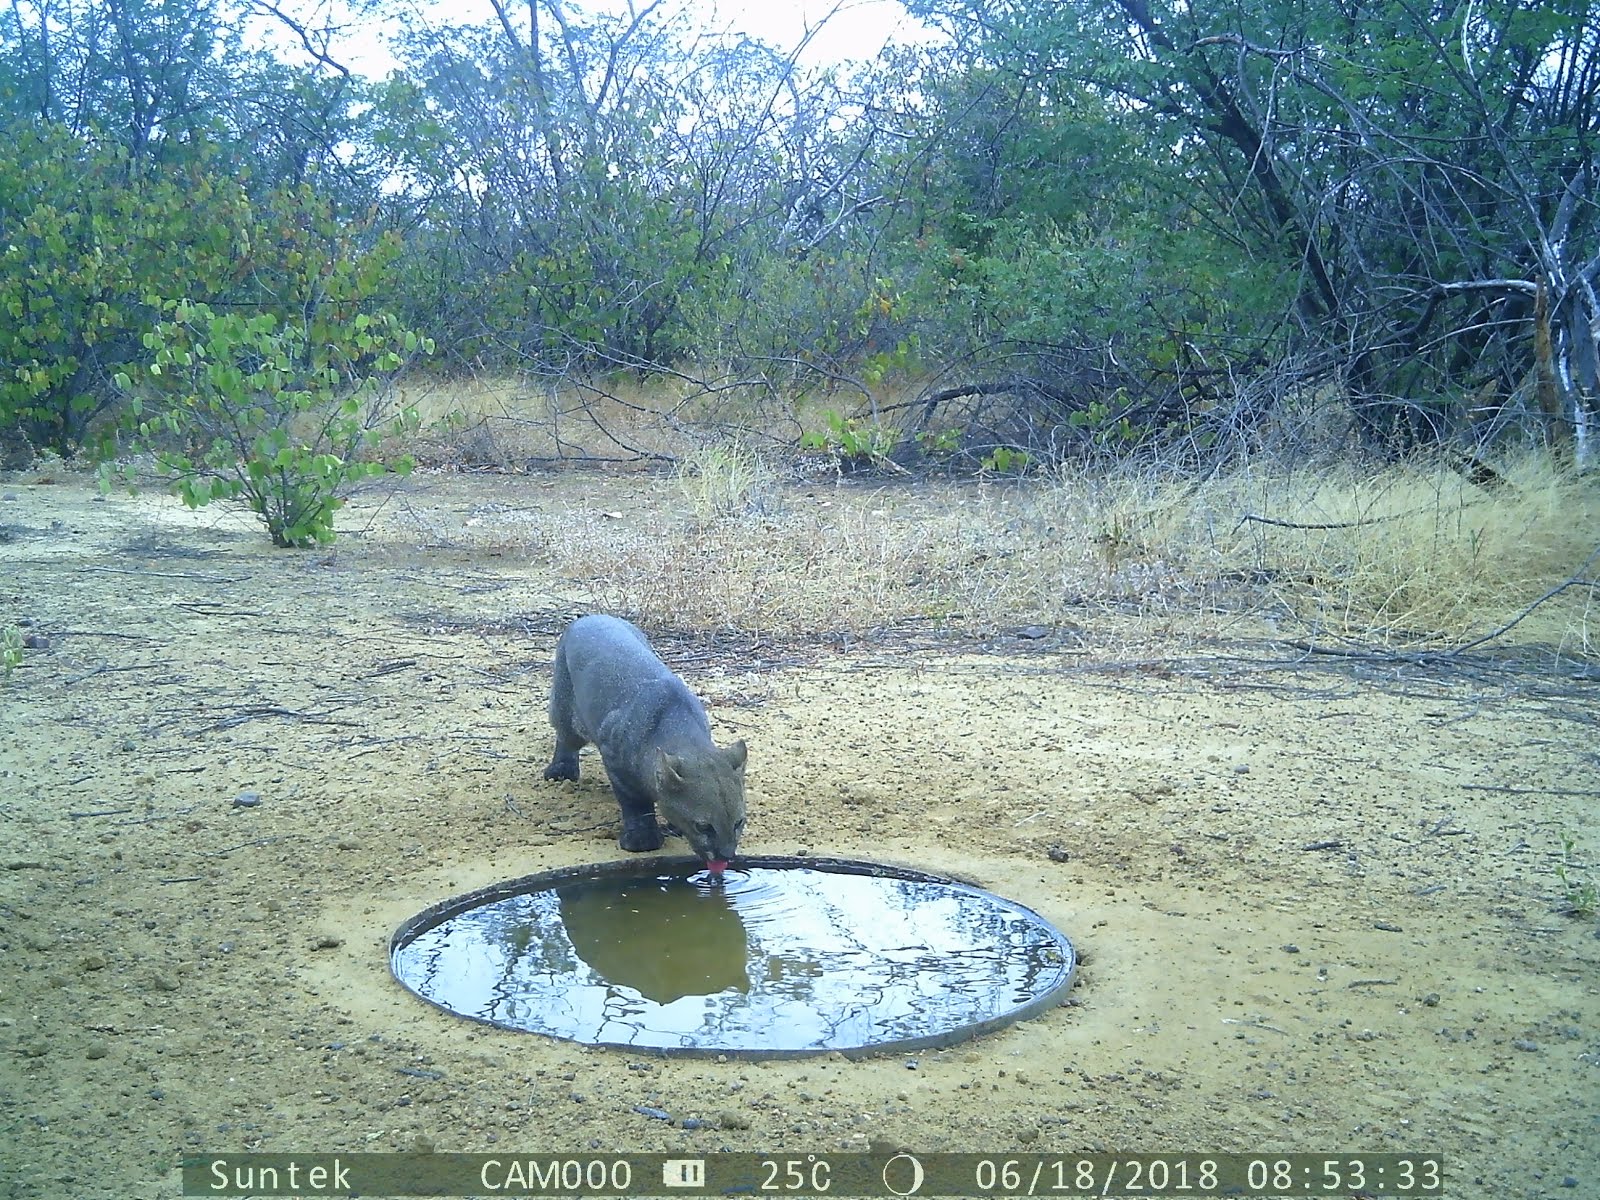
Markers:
point(1576, 579)
point(260, 841)
point(250, 712)
point(1529, 791)
point(1253, 518)
point(168, 574)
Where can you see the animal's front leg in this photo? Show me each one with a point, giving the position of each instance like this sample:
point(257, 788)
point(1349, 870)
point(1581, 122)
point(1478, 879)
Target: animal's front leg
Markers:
point(640, 830)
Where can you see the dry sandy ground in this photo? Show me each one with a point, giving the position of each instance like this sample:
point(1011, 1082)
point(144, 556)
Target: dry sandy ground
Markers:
point(181, 975)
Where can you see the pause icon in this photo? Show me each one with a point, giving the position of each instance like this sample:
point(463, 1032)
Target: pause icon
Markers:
point(683, 1173)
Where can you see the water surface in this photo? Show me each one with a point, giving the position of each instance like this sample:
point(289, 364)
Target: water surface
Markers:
point(770, 958)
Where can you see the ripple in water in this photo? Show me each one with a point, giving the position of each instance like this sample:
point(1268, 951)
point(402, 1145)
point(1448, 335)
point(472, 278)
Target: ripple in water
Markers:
point(770, 958)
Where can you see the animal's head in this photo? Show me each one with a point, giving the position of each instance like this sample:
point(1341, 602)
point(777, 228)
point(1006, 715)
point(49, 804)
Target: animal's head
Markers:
point(702, 797)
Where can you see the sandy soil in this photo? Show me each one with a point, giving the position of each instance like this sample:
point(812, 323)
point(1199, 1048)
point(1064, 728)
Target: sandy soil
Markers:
point(181, 974)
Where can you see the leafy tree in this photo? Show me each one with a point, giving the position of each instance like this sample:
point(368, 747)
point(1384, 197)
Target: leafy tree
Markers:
point(83, 245)
point(607, 191)
point(145, 75)
point(1425, 174)
point(1046, 247)
point(143, 154)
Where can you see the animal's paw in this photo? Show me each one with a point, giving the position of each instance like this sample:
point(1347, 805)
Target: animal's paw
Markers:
point(561, 770)
point(641, 835)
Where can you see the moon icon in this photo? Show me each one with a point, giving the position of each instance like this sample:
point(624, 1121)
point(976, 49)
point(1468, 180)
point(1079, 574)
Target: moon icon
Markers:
point(903, 1175)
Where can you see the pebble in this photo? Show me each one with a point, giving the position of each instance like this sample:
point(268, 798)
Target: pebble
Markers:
point(728, 1119)
point(247, 800)
point(1525, 1044)
point(96, 1050)
point(693, 1123)
point(655, 1114)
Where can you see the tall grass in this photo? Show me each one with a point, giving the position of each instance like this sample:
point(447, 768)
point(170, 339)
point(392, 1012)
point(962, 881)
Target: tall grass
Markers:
point(509, 420)
point(1405, 555)
point(724, 479)
point(1411, 553)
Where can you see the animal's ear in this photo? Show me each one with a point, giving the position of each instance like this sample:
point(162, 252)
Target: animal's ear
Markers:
point(669, 771)
point(736, 754)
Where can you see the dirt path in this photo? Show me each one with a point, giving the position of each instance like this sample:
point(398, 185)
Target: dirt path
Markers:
point(1317, 907)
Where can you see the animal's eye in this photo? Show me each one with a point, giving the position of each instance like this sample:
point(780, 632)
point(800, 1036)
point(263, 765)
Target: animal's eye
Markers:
point(704, 827)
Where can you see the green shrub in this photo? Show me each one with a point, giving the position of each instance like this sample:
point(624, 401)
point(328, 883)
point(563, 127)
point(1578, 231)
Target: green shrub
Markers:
point(853, 447)
point(84, 240)
point(268, 415)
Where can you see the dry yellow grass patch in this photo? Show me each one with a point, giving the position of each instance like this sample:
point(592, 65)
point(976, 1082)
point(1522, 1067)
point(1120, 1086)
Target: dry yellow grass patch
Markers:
point(1401, 555)
point(507, 420)
point(1415, 553)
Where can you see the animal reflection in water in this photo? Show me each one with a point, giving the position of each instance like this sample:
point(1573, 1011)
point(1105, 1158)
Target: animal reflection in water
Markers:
point(664, 940)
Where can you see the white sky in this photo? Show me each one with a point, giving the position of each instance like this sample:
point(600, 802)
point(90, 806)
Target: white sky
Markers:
point(857, 30)
point(850, 29)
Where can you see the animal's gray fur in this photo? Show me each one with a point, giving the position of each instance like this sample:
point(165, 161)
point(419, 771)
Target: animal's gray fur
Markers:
point(611, 690)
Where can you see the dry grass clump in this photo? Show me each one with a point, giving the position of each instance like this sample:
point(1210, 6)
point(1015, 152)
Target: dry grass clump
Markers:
point(1402, 554)
point(1420, 554)
point(796, 572)
point(1405, 555)
point(833, 560)
point(725, 479)
point(511, 420)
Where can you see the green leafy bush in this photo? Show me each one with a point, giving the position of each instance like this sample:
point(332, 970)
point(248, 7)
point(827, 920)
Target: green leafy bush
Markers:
point(268, 415)
point(84, 240)
point(854, 447)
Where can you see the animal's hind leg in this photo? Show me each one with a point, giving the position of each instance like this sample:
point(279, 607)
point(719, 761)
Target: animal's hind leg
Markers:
point(568, 740)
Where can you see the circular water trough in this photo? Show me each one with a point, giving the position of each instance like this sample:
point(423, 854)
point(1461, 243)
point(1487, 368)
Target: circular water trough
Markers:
point(777, 957)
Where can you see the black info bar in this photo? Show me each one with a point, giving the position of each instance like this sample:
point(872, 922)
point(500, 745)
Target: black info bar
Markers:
point(802, 1174)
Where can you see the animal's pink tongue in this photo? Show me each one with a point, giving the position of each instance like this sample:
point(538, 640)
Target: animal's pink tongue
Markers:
point(717, 866)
